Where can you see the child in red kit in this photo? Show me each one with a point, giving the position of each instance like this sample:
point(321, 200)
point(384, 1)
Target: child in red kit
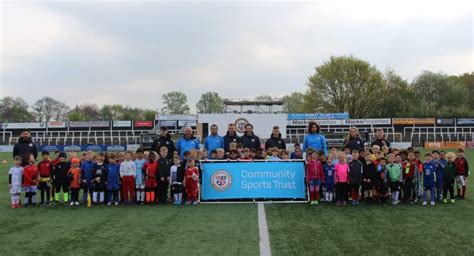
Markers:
point(151, 171)
point(44, 168)
point(191, 178)
point(30, 180)
point(314, 177)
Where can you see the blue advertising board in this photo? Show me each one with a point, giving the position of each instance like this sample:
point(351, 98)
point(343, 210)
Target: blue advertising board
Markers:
point(249, 180)
point(316, 116)
point(79, 148)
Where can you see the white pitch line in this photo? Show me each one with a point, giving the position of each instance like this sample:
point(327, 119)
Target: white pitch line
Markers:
point(263, 231)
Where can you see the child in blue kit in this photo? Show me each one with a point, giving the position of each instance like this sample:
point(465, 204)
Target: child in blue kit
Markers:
point(429, 179)
point(113, 180)
point(329, 180)
point(440, 165)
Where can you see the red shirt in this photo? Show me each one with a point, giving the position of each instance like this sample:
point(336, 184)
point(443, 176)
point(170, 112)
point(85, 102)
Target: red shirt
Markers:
point(189, 176)
point(151, 169)
point(30, 175)
point(314, 170)
point(44, 168)
point(411, 170)
point(461, 166)
point(76, 177)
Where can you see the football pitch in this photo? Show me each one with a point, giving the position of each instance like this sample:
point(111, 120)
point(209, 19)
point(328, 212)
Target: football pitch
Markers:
point(233, 229)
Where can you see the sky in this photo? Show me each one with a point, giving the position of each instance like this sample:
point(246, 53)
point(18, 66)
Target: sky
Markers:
point(131, 52)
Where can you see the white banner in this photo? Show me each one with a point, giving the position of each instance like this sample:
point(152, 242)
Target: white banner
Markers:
point(187, 123)
point(6, 148)
point(262, 123)
point(175, 117)
point(400, 145)
point(341, 122)
point(122, 123)
point(23, 125)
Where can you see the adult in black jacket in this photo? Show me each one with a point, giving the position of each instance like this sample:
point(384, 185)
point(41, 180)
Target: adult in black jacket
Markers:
point(353, 140)
point(25, 146)
point(164, 141)
point(250, 140)
point(231, 137)
point(275, 140)
point(380, 139)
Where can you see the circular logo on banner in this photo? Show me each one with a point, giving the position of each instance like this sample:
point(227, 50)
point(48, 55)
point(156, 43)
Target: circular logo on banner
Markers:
point(240, 125)
point(221, 180)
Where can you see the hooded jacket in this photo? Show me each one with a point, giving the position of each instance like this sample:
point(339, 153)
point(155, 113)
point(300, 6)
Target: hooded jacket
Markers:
point(186, 144)
point(251, 141)
point(275, 142)
point(164, 141)
point(230, 139)
point(25, 147)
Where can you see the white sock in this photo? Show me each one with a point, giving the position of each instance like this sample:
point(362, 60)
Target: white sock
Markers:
point(101, 195)
point(94, 197)
point(331, 196)
point(180, 196)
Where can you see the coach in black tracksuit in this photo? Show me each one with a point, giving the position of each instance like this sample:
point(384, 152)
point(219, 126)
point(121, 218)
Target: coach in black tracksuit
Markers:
point(275, 140)
point(24, 147)
point(250, 140)
point(231, 137)
point(164, 141)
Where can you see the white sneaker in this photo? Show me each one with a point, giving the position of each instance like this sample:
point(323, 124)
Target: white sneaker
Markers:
point(109, 203)
point(432, 203)
point(424, 203)
point(71, 204)
point(116, 203)
point(76, 203)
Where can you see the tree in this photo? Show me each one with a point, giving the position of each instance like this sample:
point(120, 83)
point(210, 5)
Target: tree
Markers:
point(396, 95)
point(175, 103)
point(293, 103)
point(86, 112)
point(437, 94)
point(14, 110)
point(344, 84)
point(48, 109)
point(111, 112)
point(210, 102)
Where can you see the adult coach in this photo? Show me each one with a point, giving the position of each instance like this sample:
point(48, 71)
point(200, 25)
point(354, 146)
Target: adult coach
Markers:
point(380, 139)
point(353, 140)
point(25, 146)
point(314, 139)
point(213, 141)
point(188, 142)
point(275, 140)
point(164, 141)
point(250, 140)
point(231, 137)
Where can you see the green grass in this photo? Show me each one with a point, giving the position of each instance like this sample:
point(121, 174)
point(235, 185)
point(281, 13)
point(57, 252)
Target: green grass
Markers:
point(294, 229)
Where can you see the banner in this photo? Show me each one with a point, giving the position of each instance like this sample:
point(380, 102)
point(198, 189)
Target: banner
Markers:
point(465, 121)
point(122, 123)
point(413, 121)
point(175, 117)
point(249, 180)
point(435, 145)
point(167, 123)
point(143, 123)
point(470, 144)
point(400, 145)
point(6, 148)
point(95, 148)
point(23, 126)
point(444, 121)
point(51, 148)
point(342, 122)
point(455, 144)
point(317, 116)
point(69, 148)
point(187, 123)
point(84, 124)
point(56, 124)
point(116, 148)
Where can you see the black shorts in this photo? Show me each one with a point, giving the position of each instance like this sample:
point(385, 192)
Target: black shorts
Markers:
point(368, 185)
point(44, 185)
point(177, 188)
point(395, 186)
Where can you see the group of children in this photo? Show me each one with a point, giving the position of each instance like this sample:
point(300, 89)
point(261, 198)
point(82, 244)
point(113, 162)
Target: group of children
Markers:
point(144, 177)
point(140, 177)
point(399, 176)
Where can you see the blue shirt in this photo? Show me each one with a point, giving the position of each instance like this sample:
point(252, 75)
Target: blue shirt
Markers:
point(213, 142)
point(87, 170)
point(429, 175)
point(138, 174)
point(113, 173)
point(329, 173)
point(185, 144)
point(315, 141)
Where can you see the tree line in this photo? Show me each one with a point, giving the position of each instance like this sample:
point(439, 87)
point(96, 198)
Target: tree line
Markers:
point(340, 84)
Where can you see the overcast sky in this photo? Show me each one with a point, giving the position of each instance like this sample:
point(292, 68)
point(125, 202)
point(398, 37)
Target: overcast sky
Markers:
point(131, 53)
